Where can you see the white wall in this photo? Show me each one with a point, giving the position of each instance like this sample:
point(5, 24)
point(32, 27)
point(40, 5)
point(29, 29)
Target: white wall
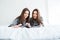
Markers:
point(7, 11)
point(10, 9)
point(54, 12)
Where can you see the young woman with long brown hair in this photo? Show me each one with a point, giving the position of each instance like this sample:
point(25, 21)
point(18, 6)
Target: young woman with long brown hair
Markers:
point(22, 20)
point(36, 19)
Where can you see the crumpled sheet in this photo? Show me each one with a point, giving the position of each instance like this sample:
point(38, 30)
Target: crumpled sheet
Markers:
point(35, 33)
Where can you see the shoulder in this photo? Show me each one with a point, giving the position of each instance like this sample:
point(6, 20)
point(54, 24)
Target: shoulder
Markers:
point(30, 19)
point(15, 20)
point(41, 18)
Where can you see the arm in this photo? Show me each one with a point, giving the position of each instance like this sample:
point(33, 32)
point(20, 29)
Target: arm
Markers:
point(14, 23)
point(28, 25)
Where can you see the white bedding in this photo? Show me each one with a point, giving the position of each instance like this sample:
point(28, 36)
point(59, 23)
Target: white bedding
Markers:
point(40, 33)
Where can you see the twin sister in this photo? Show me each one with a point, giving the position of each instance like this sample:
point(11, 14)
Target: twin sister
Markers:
point(24, 19)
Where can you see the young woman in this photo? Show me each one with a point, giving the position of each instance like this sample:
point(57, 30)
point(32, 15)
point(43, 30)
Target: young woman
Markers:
point(22, 20)
point(36, 19)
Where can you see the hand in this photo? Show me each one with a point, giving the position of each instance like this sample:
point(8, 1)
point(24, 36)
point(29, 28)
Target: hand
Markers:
point(16, 26)
point(41, 25)
point(28, 24)
point(20, 25)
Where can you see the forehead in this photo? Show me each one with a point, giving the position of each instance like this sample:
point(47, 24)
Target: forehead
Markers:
point(35, 11)
point(26, 11)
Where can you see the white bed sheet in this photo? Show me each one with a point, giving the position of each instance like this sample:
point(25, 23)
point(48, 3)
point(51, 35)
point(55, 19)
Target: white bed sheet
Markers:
point(40, 33)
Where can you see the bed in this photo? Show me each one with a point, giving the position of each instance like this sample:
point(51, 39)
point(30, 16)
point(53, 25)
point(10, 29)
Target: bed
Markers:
point(35, 33)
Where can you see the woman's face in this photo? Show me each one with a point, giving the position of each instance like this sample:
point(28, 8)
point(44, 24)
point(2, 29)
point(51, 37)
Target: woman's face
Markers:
point(26, 14)
point(35, 14)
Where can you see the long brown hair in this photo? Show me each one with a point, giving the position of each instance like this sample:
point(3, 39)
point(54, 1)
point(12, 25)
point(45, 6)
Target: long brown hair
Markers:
point(38, 19)
point(21, 17)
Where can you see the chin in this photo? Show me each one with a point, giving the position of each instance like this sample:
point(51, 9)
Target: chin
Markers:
point(34, 18)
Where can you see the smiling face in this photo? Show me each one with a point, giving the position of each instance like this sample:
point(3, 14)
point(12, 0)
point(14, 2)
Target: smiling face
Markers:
point(26, 14)
point(34, 14)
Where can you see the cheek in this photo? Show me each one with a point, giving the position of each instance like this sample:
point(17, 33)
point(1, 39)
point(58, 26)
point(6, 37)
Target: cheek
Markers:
point(25, 15)
point(35, 15)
